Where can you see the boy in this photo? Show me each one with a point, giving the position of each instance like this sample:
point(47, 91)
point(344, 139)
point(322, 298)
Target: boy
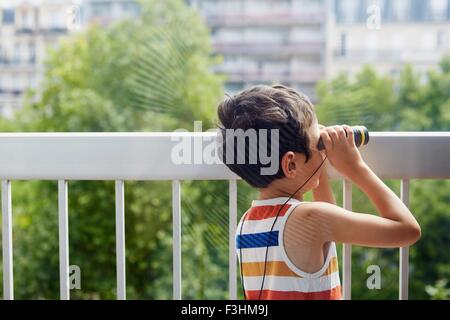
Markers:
point(286, 246)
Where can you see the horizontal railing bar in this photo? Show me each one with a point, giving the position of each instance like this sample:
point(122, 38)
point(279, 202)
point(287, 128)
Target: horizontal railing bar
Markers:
point(377, 134)
point(153, 156)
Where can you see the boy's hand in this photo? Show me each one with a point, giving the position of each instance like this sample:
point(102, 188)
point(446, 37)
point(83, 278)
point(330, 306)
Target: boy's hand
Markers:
point(341, 149)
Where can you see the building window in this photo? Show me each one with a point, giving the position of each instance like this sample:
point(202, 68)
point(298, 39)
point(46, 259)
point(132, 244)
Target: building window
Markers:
point(17, 55)
point(15, 84)
point(2, 55)
point(401, 10)
point(441, 40)
point(27, 20)
point(372, 45)
point(349, 10)
point(343, 45)
point(131, 8)
point(32, 52)
point(232, 7)
point(101, 10)
point(209, 7)
point(437, 10)
point(8, 16)
point(33, 82)
point(57, 20)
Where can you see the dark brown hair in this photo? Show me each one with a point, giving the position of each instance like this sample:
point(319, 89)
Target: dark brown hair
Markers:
point(267, 107)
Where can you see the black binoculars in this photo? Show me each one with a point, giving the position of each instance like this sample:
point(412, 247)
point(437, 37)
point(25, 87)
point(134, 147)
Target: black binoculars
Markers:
point(360, 134)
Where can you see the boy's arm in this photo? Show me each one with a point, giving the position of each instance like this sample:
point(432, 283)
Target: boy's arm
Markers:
point(324, 192)
point(322, 221)
point(395, 227)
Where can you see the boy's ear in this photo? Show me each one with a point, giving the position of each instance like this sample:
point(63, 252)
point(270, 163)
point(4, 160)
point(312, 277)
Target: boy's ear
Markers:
point(288, 164)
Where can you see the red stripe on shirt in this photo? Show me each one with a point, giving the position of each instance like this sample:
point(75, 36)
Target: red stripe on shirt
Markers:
point(266, 212)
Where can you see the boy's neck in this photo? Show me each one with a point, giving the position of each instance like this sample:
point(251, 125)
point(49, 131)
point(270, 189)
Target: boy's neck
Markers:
point(270, 193)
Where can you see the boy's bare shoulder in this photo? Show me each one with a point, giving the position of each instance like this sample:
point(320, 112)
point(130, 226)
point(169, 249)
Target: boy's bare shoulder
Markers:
point(313, 208)
point(309, 223)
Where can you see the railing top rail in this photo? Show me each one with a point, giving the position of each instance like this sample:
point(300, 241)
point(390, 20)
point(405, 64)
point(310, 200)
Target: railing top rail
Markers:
point(149, 156)
point(444, 134)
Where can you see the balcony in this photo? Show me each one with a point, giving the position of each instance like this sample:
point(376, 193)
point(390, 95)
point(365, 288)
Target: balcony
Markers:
point(147, 156)
point(274, 19)
point(285, 76)
point(10, 93)
point(389, 56)
point(278, 49)
point(26, 30)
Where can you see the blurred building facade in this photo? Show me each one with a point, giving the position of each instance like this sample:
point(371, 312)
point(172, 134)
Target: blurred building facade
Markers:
point(295, 42)
point(104, 12)
point(29, 27)
point(265, 41)
point(388, 34)
point(26, 31)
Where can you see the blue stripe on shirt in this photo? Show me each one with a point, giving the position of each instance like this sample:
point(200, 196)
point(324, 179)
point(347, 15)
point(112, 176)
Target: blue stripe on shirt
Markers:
point(257, 240)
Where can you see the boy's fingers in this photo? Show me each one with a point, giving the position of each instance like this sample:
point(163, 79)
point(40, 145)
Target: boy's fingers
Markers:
point(340, 132)
point(350, 133)
point(332, 134)
point(326, 140)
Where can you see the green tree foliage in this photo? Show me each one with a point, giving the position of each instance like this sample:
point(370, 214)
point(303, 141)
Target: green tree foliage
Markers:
point(368, 99)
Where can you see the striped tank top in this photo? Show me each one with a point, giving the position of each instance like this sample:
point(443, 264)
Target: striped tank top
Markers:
point(283, 280)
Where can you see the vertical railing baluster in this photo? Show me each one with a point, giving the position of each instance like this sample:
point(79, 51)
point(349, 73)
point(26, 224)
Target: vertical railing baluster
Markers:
point(120, 240)
point(347, 248)
point(8, 280)
point(63, 221)
point(404, 252)
point(176, 222)
point(232, 239)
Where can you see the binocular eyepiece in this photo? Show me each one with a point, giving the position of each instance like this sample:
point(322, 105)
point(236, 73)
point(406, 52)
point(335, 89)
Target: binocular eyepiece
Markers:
point(360, 134)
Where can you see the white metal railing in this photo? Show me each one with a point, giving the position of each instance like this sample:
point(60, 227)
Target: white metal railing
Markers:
point(147, 156)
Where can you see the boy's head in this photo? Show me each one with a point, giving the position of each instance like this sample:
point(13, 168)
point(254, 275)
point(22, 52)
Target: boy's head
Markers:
point(265, 108)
